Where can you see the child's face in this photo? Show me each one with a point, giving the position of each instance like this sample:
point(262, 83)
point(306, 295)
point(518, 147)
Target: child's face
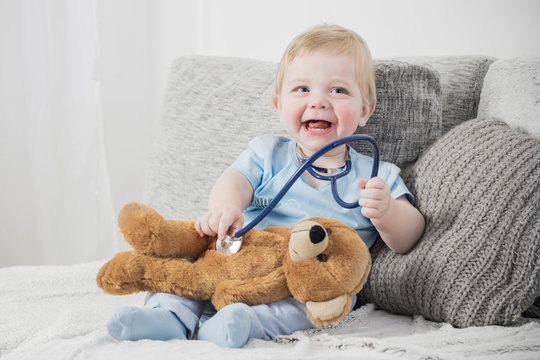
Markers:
point(320, 100)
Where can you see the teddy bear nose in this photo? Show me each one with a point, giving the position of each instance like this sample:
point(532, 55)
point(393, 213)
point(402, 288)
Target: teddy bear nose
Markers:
point(317, 234)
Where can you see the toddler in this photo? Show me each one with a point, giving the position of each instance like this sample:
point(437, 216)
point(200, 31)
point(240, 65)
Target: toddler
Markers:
point(323, 91)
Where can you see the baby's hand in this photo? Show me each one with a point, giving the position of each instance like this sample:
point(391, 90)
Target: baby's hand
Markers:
point(220, 221)
point(374, 197)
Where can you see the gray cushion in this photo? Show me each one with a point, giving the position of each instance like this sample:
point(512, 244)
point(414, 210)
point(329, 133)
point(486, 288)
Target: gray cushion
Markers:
point(215, 105)
point(511, 93)
point(462, 79)
point(478, 262)
point(407, 118)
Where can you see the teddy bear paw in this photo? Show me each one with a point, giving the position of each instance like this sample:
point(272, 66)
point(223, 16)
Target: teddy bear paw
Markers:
point(121, 275)
point(328, 312)
point(140, 226)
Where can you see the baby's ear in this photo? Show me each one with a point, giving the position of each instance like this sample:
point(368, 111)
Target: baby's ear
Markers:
point(277, 103)
point(367, 110)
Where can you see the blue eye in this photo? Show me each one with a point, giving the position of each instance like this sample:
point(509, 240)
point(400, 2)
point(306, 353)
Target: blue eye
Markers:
point(338, 91)
point(302, 89)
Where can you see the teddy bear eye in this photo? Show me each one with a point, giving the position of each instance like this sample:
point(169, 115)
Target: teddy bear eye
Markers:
point(328, 231)
point(322, 258)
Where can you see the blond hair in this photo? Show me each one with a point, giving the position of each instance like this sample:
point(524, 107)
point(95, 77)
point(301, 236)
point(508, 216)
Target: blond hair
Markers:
point(334, 40)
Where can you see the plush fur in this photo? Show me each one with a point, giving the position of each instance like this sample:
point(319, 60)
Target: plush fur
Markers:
point(320, 262)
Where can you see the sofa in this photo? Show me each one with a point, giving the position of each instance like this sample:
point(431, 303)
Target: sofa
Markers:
point(475, 181)
point(465, 131)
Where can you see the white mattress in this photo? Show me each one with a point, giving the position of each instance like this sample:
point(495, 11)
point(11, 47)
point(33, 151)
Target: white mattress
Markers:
point(57, 312)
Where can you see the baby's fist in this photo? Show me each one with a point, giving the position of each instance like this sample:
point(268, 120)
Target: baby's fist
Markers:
point(374, 197)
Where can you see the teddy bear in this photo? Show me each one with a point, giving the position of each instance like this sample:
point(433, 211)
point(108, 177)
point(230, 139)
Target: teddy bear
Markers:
point(320, 262)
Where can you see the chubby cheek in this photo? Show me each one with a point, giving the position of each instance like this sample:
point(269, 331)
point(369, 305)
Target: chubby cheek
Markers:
point(290, 115)
point(349, 118)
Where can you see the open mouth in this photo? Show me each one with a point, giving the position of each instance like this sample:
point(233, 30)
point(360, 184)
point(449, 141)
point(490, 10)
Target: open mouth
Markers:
point(318, 126)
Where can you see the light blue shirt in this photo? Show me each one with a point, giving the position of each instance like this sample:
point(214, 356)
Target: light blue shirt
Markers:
point(270, 161)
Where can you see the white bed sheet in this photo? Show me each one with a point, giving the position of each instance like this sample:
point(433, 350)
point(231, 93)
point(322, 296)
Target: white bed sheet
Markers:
point(57, 312)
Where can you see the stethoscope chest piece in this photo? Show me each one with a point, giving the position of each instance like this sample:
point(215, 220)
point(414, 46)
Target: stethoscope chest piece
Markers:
point(229, 246)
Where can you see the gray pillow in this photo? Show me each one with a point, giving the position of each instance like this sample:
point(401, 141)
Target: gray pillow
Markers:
point(407, 118)
point(462, 79)
point(512, 93)
point(478, 262)
point(215, 105)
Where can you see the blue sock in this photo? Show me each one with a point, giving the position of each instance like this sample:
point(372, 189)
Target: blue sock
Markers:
point(133, 323)
point(230, 327)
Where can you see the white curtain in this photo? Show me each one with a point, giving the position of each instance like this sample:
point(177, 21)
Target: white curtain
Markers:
point(54, 188)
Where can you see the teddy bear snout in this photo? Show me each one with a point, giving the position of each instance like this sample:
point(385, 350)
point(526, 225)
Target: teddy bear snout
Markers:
point(308, 239)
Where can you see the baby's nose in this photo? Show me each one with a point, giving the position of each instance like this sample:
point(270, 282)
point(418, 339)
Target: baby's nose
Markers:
point(319, 104)
point(318, 101)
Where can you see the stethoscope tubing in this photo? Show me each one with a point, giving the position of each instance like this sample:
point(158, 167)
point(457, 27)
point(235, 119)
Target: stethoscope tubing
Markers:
point(307, 165)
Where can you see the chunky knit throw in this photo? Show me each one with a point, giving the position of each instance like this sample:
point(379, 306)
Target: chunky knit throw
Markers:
point(478, 262)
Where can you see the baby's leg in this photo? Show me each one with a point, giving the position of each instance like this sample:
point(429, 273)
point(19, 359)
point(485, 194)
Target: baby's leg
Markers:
point(164, 317)
point(235, 324)
point(282, 317)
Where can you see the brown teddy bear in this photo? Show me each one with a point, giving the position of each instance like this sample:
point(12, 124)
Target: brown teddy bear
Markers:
point(320, 262)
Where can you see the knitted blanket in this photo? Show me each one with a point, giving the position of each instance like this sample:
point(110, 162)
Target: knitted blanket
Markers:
point(478, 262)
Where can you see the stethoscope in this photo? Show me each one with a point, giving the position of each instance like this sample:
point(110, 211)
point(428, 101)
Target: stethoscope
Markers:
point(231, 245)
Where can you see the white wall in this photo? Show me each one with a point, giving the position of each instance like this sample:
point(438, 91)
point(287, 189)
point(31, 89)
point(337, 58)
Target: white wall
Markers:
point(140, 47)
point(391, 27)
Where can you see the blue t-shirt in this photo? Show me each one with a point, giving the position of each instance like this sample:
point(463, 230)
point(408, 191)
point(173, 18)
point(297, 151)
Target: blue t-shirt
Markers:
point(270, 161)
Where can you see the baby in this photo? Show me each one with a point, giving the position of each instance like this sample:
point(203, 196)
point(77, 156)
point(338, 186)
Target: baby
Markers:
point(323, 91)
